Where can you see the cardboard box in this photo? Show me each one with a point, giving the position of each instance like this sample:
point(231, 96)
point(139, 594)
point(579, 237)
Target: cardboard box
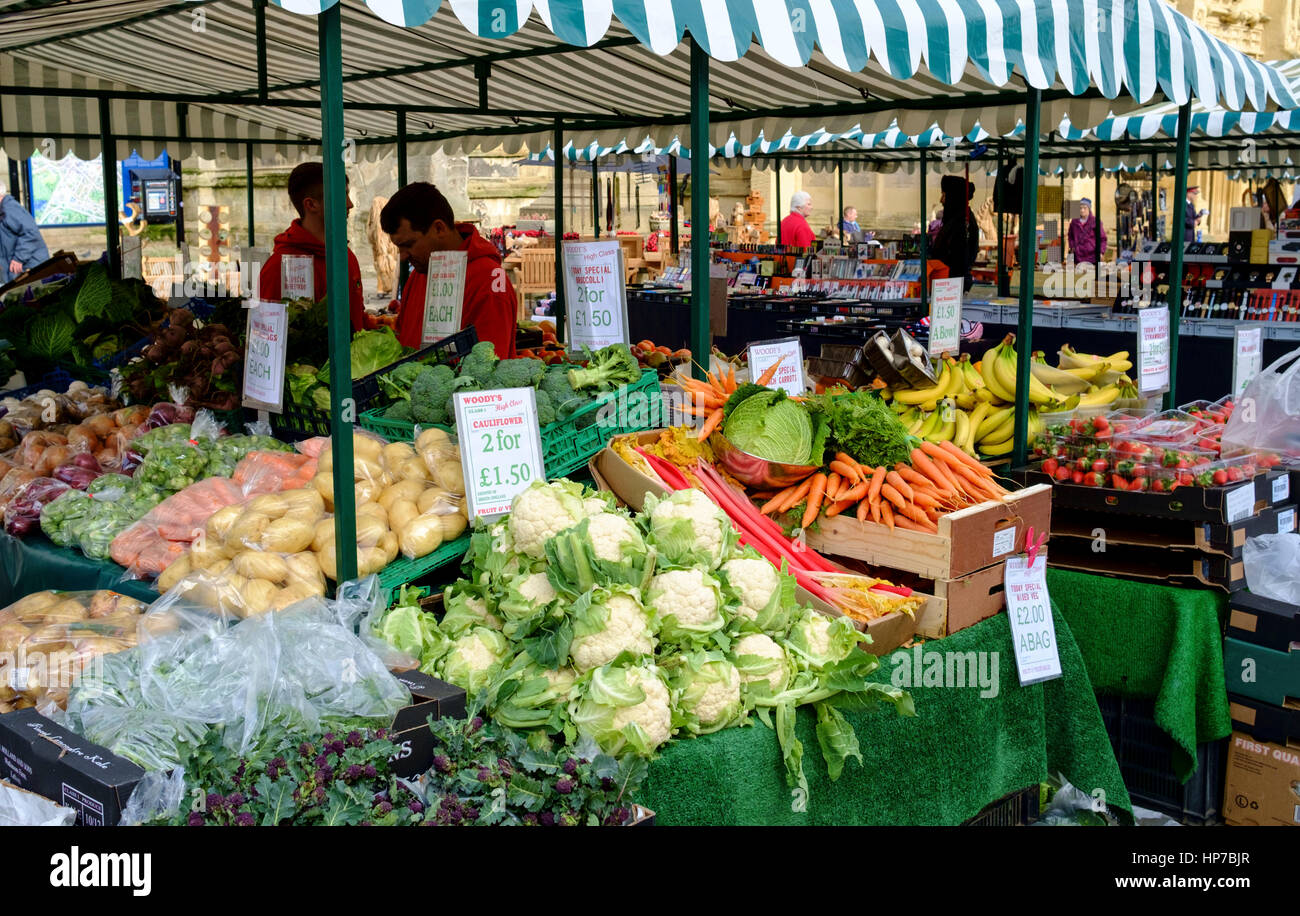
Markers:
point(1206, 537)
point(1264, 721)
point(40, 756)
point(1200, 504)
point(1263, 621)
point(1156, 564)
point(631, 487)
point(429, 697)
point(1260, 673)
point(1263, 783)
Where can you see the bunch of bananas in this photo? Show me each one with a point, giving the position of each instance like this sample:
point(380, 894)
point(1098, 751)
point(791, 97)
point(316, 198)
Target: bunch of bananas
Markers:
point(972, 405)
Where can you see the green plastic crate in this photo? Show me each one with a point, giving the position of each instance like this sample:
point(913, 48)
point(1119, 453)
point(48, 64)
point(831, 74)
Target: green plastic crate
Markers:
point(567, 444)
point(401, 571)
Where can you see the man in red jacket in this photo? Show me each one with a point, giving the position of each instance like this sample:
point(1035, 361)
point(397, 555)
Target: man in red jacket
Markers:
point(420, 221)
point(305, 237)
point(795, 231)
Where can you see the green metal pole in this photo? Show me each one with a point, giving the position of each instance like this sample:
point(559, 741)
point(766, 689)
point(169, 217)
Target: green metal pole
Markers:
point(1179, 234)
point(342, 406)
point(674, 233)
point(259, 23)
point(1004, 286)
point(925, 238)
point(557, 146)
point(778, 200)
point(1028, 242)
point(1156, 234)
point(839, 187)
point(595, 199)
point(1096, 215)
point(108, 157)
point(403, 269)
point(248, 181)
point(701, 340)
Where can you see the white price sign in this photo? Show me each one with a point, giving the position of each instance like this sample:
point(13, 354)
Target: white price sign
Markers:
point(789, 375)
point(1033, 631)
point(945, 315)
point(500, 447)
point(595, 296)
point(297, 277)
point(444, 295)
point(1247, 357)
point(268, 326)
point(1153, 349)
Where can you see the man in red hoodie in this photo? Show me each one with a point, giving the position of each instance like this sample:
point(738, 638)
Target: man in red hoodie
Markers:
point(305, 237)
point(420, 221)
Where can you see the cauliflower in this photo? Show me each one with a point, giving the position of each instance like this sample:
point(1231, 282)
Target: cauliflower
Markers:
point(605, 549)
point(596, 505)
point(624, 707)
point(685, 603)
point(689, 529)
point(818, 640)
point(609, 532)
point(543, 511)
point(527, 597)
point(473, 658)
point(761, 661)
point(752, 582)
point(708, 688)
point(465, 609)
point(537, 589)
point(540, 699)
point(606, 624)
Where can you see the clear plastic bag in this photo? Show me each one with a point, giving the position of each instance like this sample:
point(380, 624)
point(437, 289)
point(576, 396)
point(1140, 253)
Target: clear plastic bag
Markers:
point(156, 797)
point(20, 808)
point(23, 513)
point(1273, 566)
point(1267, 415)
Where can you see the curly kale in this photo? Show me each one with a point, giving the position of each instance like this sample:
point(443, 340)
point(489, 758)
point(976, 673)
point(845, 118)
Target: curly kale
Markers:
point(479, 362)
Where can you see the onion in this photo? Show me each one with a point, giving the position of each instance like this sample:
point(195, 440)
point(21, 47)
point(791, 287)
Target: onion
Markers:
point(87, 461)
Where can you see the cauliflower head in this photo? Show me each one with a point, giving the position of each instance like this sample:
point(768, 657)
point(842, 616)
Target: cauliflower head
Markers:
point(474, 657)
point(688, 529)
point(539, 700)
point(817, 640)
point(466, 608)
point(543, 511)
point(761, 662)
point(686, 604)
point(605, 549)
point(605, 625)
point(537, 589)
point(624, 707)
point(708, 689)
point(608, 532)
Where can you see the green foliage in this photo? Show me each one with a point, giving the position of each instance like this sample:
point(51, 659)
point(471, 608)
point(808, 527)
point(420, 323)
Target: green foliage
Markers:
point(862, 425)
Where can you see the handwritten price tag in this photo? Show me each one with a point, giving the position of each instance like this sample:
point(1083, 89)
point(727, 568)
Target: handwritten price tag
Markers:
point(1033, 631)
point(1153, 349)
point(268, 326)
point(789, 375)
point(595, 295)
point(444, 295)
point(945, 315)
point(500, 447)
point(297, 277)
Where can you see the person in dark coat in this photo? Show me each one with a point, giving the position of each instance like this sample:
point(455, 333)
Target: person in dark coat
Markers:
point(957, 242)
point(21, 245)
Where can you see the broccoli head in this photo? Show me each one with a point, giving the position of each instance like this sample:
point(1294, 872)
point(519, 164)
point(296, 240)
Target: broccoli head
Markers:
point(479, 362)
point(545, 409)
point(397, 383)
point(556, 383)
point(609, 368)
point(400, 410)
point(524, 372)
point(429, 393)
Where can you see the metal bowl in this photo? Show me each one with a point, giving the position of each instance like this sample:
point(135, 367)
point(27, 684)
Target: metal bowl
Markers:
point(754, 471)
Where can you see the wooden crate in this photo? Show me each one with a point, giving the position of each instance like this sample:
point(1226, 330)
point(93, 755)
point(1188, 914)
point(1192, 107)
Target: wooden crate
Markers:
point(968, 540)
point(963, 602)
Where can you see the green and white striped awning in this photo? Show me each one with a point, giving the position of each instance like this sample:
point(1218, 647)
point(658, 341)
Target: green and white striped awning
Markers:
point(615, 68)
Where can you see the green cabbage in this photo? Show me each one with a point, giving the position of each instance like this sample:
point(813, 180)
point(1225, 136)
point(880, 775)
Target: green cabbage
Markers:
point(51, 334)
point(771, 426)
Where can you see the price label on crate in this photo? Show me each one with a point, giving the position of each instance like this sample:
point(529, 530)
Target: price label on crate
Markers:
point(1286, 521)
point(1153, 350)
point(1033, 631)
point(1239, 502)
point(1247, 357)
point(595, 293)
point(268, 327)
point(789, 375)
point(500, 446)
point(1281, 488)
point(444, 295)
point(297, 277)
point(945, 315)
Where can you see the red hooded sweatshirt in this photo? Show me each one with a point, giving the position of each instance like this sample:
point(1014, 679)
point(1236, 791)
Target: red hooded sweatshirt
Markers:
point(296, 240)
point(490, 301)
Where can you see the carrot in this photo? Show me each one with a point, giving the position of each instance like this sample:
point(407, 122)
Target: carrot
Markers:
point(774, 504)
point(703, 411)
point(712, 423)
point(716, 385)
point(966, 460)
point(894, 497)
point(913, 525)
point(894, 479)
point(877, 480)
point(855, 492)
point(915, 514)
point(769, 373)
point(838, 506)
point(917, 481)
point(888, 515)
point(731, 377)
point(923, 465)
point(816, 492)
point(796, 493)
point(864, 510)
point(846, 470)
point(923, 499)
point(833, 484)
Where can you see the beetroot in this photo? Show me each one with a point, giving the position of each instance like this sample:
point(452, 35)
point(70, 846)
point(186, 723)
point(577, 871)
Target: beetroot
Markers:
point(76, 477)
point(88, 461)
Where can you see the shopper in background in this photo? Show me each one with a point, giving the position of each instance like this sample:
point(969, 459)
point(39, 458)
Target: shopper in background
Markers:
point(420, 221)
point(957, 243)
point(1083, 235)
point(305, 237)
point(1271, 204)
point(849, 222)
point(935, 224)
point(1191, 216)
point(795, 230)
point(21, 245)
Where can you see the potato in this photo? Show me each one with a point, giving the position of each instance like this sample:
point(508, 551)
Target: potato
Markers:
point(397, 452)
point(323, 483)
point(421, 537)
point(325, 461)
point(247, 531)
point(431, 497)
point(402, 490)
point(30, 608)
point(328, 561)
point(207, 550)
point(365, 469)
point(11, 634)
point(453, 525)
point(432, 438)
point(178, 570)
point(272, 505)
point(368, 490)
point(448, 473)
point(218, 566)
point(367, 447)
point(287, 535)
point(389, 545)
point(370, 560)
point(256, 564)
point(304, 567)
point(400, 512)
point(220, 522)
point(296, 591)
point(66, 611)
point(306, 504)
point(372, 510)
point(107, 603)
point(156, 623)
point(258, 595)
point(369, 531)
point(413, 469)
point(324, 532)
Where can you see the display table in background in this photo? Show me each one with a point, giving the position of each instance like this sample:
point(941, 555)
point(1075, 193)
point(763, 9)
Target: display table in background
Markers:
point(33, 564)
point(959, 754)
point(1152, 641)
